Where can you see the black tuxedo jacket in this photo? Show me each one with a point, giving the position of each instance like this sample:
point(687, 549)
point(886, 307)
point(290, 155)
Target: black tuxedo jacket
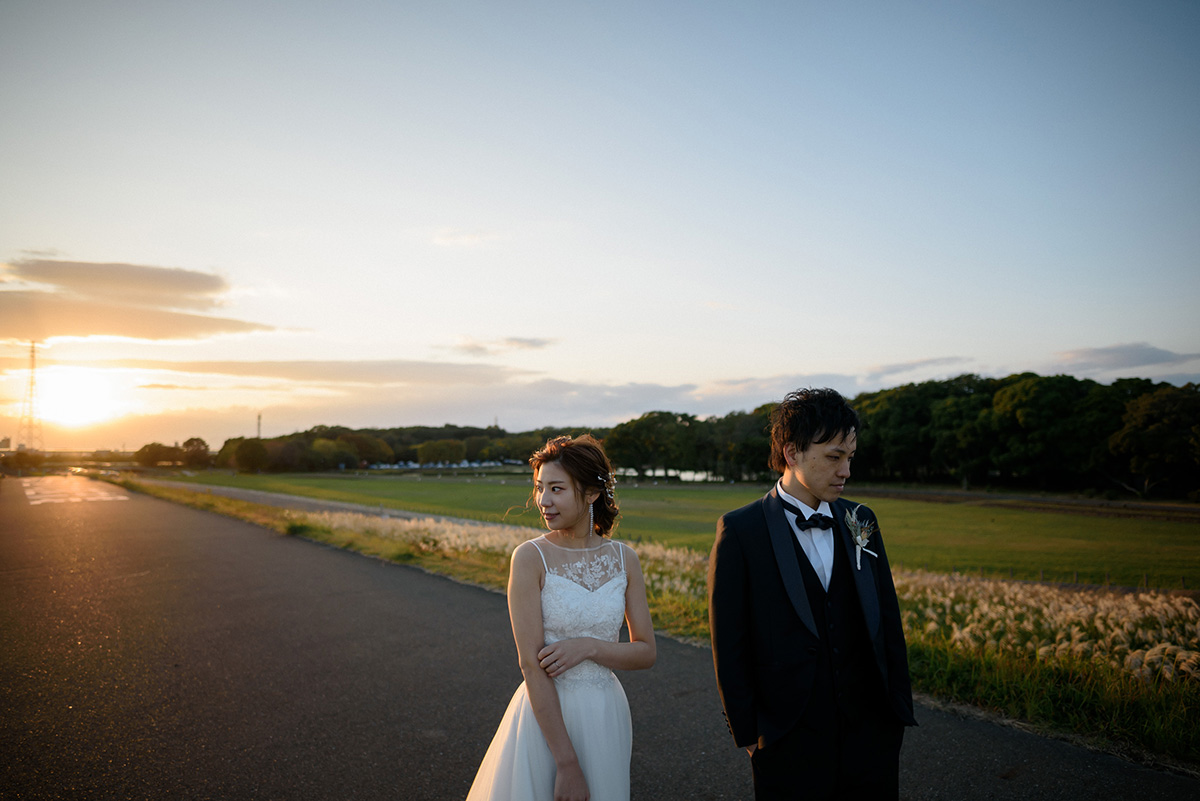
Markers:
point(764, 636)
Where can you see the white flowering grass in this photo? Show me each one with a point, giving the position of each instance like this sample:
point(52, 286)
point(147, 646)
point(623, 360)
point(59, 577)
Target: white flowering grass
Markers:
point(1150, 635)
point(674, 576)
point(425, 534)
point(1122, 666)
point(675, 569)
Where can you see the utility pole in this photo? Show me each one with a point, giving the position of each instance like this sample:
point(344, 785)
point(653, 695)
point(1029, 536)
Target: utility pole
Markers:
point(260, 425)
point(29, 431)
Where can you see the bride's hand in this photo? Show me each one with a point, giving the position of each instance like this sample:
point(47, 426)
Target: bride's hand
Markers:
point(563, 655)
point(569, 785)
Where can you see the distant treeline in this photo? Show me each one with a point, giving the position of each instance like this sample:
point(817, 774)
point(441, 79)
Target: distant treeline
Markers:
point(336, 447)
point(1024, 431)
point(1043, 432)
point(1133, 436)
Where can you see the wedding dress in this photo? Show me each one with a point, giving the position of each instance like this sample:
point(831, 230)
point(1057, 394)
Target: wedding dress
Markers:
point(583, 596)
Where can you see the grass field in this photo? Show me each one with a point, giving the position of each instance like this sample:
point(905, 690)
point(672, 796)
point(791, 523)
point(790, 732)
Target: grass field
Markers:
point(941, 537)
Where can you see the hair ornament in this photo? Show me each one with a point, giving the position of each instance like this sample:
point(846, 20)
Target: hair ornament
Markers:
point(610, 485)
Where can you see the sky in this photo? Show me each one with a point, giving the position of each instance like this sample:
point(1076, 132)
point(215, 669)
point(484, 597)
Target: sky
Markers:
point(387, 214)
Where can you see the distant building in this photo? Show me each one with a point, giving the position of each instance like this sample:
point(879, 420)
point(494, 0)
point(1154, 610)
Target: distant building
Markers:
point(5, 444)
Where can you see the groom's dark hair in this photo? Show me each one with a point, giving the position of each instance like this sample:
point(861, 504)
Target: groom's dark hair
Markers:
point(807, 416)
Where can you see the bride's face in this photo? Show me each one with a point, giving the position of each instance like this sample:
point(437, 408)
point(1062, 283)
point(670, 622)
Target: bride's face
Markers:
point(559, 500)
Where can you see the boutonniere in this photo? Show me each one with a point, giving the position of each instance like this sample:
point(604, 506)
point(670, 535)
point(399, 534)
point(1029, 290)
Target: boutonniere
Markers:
point(861, 534)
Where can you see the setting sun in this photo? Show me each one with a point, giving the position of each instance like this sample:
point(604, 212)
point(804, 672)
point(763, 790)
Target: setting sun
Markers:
point(78, 396)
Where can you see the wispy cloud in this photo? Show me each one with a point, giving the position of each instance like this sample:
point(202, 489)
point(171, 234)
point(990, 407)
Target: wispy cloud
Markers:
point(280, 390)
point(517, 402)
point(381, 372)
point(1120, 357)
point(520, 404)
point(8, 363)
point(1179, 379)
point(40, 316)
point(295, 395)
point(129, 284)
point(88, 299)
point(748, 393)
point(170, 387)
point(474, 347)
point(879, 373)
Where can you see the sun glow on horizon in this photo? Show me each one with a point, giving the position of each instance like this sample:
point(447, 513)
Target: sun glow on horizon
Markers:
point(80, 396)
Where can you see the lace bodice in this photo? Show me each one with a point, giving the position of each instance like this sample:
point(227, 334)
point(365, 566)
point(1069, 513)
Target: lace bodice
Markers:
point(584, 596)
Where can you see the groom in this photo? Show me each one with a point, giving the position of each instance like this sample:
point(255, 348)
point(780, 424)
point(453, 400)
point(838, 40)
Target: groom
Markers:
point(807, 643)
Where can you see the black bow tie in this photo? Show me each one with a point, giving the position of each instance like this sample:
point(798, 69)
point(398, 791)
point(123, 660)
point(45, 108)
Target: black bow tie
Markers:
point(818, 520)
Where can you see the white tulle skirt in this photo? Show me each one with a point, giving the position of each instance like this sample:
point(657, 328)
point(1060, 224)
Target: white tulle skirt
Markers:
point(518, 765)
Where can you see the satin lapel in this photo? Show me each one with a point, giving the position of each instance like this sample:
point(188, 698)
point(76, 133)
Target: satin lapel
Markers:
point(864, 579)
point(785, 556)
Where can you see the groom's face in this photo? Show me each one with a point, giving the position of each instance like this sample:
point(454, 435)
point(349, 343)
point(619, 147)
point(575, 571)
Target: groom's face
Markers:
point(820, 471)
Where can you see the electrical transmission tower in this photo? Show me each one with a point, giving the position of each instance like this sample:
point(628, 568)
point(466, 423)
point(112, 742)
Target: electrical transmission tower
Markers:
point(29, 432)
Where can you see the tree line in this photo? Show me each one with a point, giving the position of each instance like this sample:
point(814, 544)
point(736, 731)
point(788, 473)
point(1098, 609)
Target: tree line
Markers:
point(340, 448)
point(1042, 432)
point(1133, 436)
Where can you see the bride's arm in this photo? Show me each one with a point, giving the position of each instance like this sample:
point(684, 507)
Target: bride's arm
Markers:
point(639, 653)
point(525, 612)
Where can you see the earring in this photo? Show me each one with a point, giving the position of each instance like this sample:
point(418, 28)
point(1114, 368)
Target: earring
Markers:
point(591, 518)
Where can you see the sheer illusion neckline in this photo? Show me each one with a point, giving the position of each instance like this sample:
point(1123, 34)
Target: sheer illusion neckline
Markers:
point(548, 541)
point(590, 568)
point(590, 590)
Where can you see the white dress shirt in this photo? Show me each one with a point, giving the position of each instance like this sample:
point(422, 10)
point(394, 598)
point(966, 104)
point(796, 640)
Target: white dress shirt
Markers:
point(817, 543)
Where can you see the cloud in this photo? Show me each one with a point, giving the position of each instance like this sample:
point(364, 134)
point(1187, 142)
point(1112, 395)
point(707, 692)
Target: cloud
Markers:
point(133, 431)
point(474, 347)
point(85, 299)
point(296, 395)
point(1120, 357)
point(38, 316)
point(129, 284)
point(160, 387)
point(881, 372)
point(515, 405)
point(750, 393)
point(1179, 379)
point(289, 388)
point(527, 343)
point(8, 363)
point(383, 372)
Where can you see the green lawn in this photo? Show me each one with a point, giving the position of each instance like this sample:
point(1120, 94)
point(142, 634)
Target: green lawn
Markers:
point(937, 536)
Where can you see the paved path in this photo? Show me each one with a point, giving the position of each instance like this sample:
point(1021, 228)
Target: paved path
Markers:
point(154, 651)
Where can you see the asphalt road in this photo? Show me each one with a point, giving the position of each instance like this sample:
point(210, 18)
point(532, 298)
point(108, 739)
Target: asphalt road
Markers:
point(152, 651)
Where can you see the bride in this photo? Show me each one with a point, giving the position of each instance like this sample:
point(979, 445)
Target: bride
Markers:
point(566, 734)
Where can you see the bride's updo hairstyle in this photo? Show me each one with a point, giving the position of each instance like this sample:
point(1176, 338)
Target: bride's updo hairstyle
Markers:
point(586, 463)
